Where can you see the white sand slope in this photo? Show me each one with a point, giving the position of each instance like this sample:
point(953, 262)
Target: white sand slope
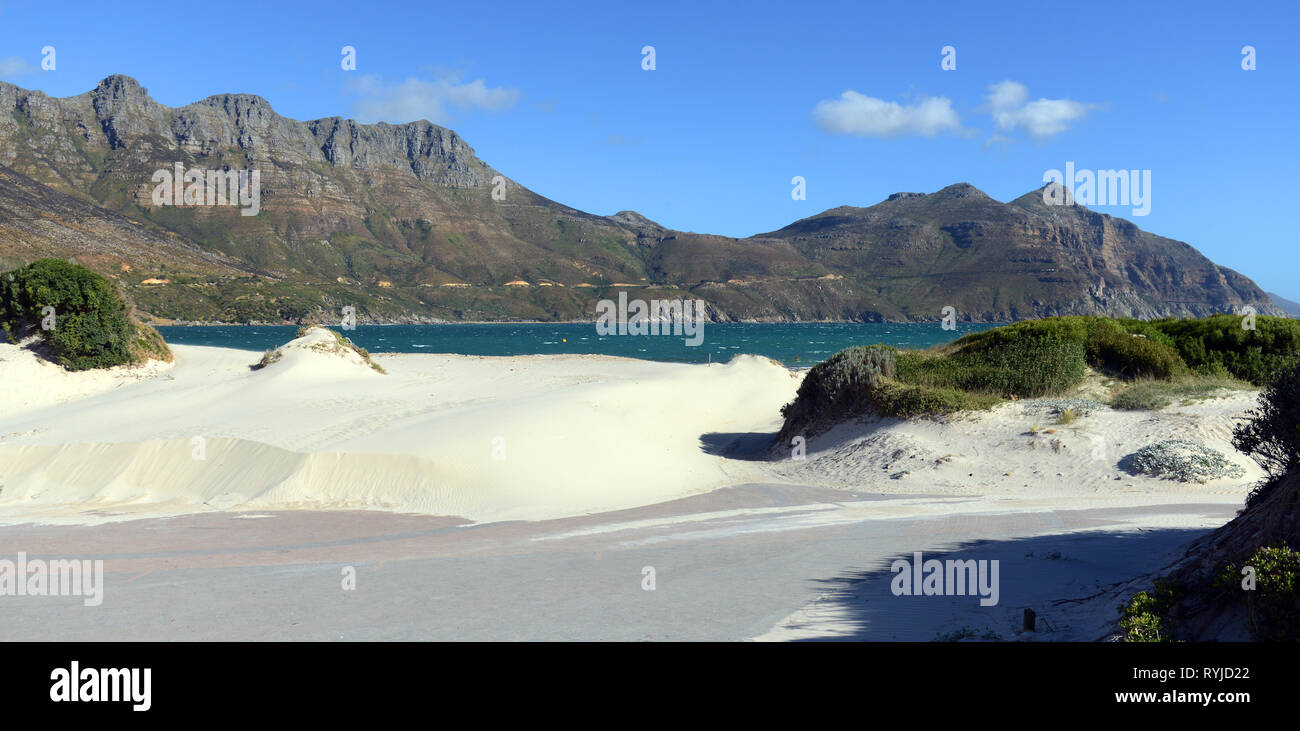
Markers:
point(483, 438)
point(30, 382)
point(527, 438)
point(1018, 453)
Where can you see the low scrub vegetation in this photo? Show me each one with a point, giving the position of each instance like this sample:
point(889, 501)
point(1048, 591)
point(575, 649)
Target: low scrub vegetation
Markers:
point(1027, 366)
point(1145, 618)
point(1107, 345)
point(1273, 602)
point(81, 316)
point(271, 356)
point(1162, 349)
point(1155, 362)
point(1182, 460)
point(1153, 395)
point(1219, 345)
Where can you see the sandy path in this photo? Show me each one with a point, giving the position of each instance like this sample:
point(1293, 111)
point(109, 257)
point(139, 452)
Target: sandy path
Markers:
point(768, 561)
point(758, 561)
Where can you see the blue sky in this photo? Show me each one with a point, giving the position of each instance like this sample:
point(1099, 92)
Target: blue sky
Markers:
point(746, 95)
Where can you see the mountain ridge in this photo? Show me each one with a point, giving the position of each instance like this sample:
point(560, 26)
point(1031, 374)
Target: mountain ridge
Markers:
point(407, 224)
point(1291, 307)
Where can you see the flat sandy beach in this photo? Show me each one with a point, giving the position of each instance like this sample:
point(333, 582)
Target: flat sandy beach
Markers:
point(526, 497)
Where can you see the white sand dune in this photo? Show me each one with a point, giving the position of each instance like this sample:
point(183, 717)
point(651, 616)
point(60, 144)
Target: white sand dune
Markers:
point(483, 438)
point(523, 438)
point(1015, 453)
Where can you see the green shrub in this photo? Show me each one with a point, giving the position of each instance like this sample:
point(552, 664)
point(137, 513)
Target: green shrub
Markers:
point(1271, 432)
point(1024, 367)
point(1062, 328)
point(1108, 344)
point(1219, 344)
point(896, 399)
point(1146, 616)
point(841, 386)
point(92, 326)
point(1215, 345)
point(1112, 348)
point(1047, 357)
point(1271, 608)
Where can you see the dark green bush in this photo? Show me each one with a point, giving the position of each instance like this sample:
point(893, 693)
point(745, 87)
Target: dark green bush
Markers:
point(1025, 365)
point(841, 385)
point(1271, 608)
point(1108, 344)
point(1046, 357)
point(1217, 345)
point(1024, 368)
point(1271, 432)
point(92, 327)
point(897, 399)
point(1112, 348)
point(1062, 328)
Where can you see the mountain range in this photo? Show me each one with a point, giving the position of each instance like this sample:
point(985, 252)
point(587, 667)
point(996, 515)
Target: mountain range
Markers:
point(407, 224)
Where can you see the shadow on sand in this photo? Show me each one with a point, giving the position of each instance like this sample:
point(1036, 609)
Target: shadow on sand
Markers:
point(1074, 583)
point(762, 446)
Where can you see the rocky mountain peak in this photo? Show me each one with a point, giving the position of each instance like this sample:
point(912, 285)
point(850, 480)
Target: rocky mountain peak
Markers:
point(120, 86)
point(632, 218)
point(961, 190)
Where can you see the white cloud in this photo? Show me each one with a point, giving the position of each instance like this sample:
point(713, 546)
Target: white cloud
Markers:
point(1009, 104)
point(15, 66)
point(434, 100)
point(859, 114)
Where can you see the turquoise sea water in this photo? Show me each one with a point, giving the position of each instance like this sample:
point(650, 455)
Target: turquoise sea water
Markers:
point(804, 344)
